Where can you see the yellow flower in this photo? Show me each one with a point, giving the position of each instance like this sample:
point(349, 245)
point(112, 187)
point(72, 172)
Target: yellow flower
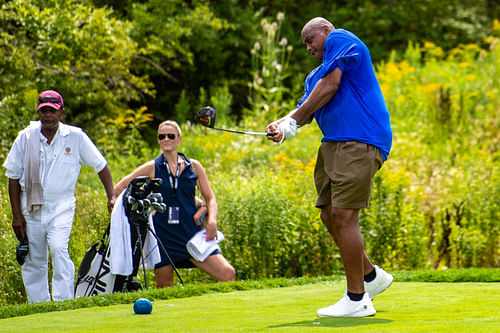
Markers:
point(431, 88)
point(280, 157)
point(385, 88)
point(391, 69)
point(406, 68)
point(428, 44)
point(472, 47)
point(400, 100)
point(456, 53)
point(471, 77)
point(315, 226)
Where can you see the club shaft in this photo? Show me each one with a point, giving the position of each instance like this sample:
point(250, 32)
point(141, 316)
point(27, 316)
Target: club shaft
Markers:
point(244, 132)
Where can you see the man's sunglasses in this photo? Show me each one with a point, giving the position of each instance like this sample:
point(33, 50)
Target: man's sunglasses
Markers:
point(49, 99)
point(169, 135)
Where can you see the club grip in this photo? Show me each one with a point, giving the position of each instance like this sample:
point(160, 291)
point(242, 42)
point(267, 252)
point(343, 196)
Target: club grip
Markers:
point(271, 133)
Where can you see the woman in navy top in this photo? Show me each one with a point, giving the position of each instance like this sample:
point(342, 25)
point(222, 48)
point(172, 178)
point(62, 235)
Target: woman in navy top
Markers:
point(176, 225)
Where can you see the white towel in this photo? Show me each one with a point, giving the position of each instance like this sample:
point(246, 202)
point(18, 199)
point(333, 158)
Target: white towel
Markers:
point(32, 182)
point(121, 244)
point(199, 248)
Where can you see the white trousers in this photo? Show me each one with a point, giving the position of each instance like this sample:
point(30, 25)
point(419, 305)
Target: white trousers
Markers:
point(50, 227)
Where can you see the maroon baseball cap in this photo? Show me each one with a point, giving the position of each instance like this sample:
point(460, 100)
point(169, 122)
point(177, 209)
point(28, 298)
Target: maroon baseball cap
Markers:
point(50, 98)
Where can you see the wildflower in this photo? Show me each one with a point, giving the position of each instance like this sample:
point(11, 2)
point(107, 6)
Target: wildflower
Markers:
point(428, 45)
point(277, 66)
point(280, 16)
point(471, 77)
point(431, 88)
point(406, 68)
point(385, 88)
point(265, 72)
point(315, 226)
point(258, 79)
point(400, 100)
point(283, 41)
point(496, 25)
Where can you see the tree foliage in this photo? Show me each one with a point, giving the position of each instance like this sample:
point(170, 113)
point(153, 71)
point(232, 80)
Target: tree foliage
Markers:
point(180, 49)
point(109, 55)
point(66, 45)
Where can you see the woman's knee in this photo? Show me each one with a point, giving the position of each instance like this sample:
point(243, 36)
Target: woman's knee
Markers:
point(164, 277)
point(219, 268)
point(228, 274)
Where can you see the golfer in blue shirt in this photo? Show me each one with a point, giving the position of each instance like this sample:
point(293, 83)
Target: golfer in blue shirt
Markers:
point(345, 98)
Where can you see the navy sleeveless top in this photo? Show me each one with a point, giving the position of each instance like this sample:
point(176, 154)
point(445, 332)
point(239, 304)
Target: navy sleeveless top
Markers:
point(175, 236)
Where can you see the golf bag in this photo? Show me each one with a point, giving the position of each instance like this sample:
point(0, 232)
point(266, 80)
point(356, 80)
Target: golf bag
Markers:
point(94, 274)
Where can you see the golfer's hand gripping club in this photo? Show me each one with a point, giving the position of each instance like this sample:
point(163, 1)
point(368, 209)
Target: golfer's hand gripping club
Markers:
point(285, 129)
point(289, 129)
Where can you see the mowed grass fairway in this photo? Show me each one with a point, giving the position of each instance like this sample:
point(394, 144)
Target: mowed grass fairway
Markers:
point(404, 307)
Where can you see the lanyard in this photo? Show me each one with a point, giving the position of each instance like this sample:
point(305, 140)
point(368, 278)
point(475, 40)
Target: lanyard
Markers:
point(174, 180)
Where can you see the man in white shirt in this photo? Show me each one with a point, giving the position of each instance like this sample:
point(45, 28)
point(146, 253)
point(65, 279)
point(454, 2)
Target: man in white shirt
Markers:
point(43, 166)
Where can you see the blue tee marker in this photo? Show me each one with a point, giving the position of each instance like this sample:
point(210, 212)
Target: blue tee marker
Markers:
point(143, 306)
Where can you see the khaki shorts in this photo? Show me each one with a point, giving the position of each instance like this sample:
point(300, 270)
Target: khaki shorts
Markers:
point(344, 174)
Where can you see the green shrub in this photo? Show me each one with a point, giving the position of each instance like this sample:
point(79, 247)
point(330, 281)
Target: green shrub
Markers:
point(393, 227)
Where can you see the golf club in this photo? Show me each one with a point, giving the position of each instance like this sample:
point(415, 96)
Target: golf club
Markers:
point(206, 117)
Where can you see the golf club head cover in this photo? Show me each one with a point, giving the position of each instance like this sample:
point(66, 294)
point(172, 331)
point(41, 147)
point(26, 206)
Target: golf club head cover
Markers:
point(289, 128)
point(22, 250)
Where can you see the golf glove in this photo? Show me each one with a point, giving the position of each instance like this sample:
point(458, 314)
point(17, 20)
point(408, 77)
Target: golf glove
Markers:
point(289, 128)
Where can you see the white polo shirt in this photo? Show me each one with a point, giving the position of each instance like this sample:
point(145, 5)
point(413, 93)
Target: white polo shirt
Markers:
point(60, 161)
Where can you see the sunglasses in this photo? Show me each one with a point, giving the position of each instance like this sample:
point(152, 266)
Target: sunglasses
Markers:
point(169, 135)
point(49, 99)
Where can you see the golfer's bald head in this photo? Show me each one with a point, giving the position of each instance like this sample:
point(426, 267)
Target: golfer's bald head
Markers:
point(317, 23)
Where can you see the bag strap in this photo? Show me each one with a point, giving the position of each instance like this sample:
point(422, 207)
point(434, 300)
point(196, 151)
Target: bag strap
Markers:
point(197, 197)
point(192, 165)
point(106, 232)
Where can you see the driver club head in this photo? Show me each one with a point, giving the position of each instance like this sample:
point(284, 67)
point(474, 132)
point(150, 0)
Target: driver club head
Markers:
point(206, 116)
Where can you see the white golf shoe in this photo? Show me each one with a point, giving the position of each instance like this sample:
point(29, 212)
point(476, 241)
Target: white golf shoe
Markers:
point(381, 282)
point(347, 308)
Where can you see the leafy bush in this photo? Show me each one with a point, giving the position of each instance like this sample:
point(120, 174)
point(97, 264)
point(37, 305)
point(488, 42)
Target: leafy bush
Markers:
point(265, 238)
point(11, 284)
point(80, 51)
point(393, 227)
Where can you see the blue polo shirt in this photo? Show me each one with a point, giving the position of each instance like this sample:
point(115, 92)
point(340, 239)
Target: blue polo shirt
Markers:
point(358, 111)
